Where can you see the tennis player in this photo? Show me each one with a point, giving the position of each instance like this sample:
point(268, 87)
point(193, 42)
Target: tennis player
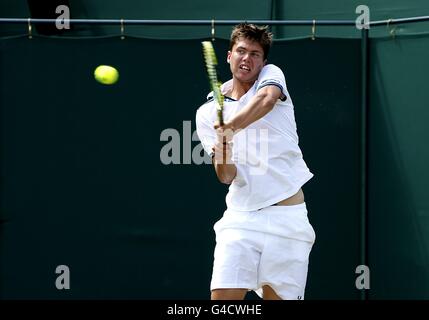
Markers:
point(264, 239)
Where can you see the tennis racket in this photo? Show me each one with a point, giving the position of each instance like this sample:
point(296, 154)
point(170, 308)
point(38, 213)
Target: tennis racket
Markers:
point(211, 63)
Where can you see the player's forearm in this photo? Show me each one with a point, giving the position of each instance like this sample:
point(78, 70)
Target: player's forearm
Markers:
point(259, 106)
point(225, 172)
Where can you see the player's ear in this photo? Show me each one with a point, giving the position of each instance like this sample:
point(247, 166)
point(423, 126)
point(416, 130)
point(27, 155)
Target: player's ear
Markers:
point(265, 62)
point(228, 57)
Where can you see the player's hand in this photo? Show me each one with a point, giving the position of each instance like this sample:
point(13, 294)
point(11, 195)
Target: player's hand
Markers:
point(223, 146)
point(225, 126)
point(224, 134)
point(222, 153)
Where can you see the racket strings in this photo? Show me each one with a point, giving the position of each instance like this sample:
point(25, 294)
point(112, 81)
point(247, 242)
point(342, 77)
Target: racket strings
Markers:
point(211, 62)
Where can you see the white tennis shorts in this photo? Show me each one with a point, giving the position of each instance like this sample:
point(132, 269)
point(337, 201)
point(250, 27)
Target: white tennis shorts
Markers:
point(270, 246)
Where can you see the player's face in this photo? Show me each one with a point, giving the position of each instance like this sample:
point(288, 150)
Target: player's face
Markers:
point(246, 60)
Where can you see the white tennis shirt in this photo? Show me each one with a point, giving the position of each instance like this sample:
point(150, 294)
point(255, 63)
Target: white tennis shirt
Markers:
point(270, 165)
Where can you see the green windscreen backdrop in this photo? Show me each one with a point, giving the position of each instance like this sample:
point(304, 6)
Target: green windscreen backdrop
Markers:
point(398, 175)
point(219, 10)
point(85, 184)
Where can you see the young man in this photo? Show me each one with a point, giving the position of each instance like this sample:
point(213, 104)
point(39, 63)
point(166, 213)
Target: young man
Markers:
point(264, 238)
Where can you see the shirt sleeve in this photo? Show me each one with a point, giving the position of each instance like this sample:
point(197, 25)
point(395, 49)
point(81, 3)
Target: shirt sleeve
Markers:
point(206, 133)
point(272, 75)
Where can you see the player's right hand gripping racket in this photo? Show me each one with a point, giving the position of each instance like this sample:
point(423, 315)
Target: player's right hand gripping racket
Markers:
point(211, 63)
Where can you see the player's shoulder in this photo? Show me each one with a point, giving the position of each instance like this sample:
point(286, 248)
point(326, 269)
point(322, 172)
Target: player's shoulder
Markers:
point(208, 104)
point(271, 68)
point(205, 108)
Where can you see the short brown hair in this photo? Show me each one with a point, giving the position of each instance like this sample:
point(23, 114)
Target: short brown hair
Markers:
point(252, 32)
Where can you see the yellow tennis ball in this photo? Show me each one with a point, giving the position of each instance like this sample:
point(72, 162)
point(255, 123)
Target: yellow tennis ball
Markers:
point(106, 74)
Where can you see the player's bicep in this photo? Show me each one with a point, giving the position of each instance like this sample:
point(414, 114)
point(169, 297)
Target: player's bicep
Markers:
point(272, 91)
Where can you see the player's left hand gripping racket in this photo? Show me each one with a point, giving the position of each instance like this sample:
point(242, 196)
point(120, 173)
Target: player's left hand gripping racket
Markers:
point(211, 63)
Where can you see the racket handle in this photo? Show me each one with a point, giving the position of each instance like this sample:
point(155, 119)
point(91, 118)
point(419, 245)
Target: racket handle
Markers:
point(220, 117)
